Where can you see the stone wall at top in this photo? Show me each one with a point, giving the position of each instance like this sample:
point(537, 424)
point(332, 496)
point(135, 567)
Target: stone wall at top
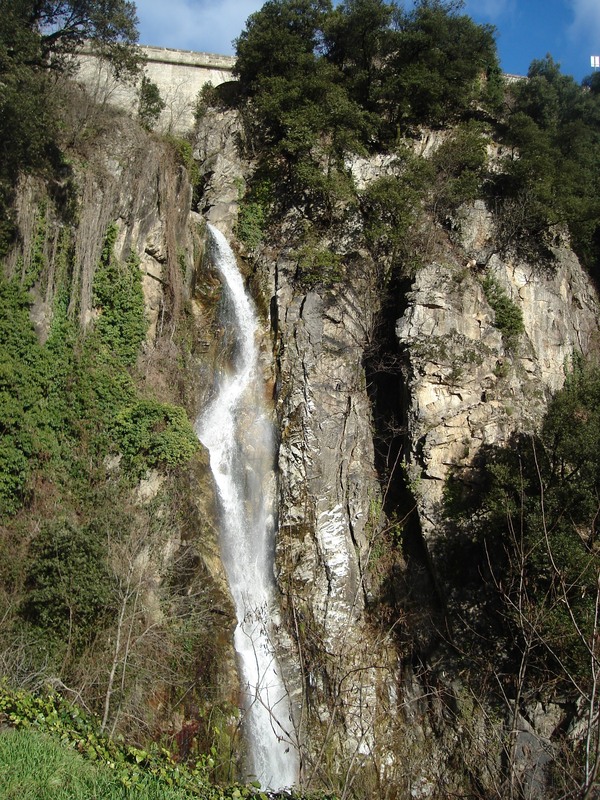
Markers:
point(179, 75)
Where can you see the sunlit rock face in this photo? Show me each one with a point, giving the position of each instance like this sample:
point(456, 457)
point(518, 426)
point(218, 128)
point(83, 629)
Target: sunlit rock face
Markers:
point(326, 484)
point(467, 384)
point(222, 168)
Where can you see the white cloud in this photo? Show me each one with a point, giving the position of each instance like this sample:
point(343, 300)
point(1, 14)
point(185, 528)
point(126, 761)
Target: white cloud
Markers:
point(204, 25)
point(585, 27)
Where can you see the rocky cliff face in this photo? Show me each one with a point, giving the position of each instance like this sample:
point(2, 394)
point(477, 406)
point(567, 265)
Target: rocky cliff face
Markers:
point(365, 695)
point(132, 180)
point(328, 490)
point(468, 385)
point(328, 497)
point(373, 712)
point(135, 181)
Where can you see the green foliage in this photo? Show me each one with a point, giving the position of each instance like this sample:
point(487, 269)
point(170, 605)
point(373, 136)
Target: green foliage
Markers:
point(69, 589)
point(459, 165)
point(319, 266)
point(28, 115)
point(184, 153)
point(150, 104)
point(251, 224)
point(207, 96)
point(508, 317)
point(532, 518)
point(100, 387)
point(151, 772)
point(110, 769)
point(424, 65)
point(34, 765)
point(36, 40)
point(151, 434)
point(28, 424)
point(67, 404)
point(347, 79)
point(310, 123)
point(295, 25)
point(256, 202)
point(442, 64)
point(64, 25)
point(391, 205)
point(118, 296)
point(358, 37)
point(550, 177)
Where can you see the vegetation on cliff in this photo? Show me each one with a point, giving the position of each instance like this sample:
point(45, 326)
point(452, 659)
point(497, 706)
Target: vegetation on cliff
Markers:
point(522, 546)
point(37, 41)
point(98, 597)
point(367, 76)
point(81, 429)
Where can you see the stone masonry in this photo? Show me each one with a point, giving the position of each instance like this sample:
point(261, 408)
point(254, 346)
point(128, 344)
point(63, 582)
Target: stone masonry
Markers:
point(179, 75)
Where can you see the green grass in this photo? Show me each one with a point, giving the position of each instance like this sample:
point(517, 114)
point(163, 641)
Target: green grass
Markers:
point(35, 767)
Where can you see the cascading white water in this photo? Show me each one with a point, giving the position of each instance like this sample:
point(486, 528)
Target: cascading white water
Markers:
point(239, 437)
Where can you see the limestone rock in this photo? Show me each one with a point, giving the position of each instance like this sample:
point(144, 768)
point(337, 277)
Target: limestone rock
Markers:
point(326, 484)
point(466, 387)
point(223, 170)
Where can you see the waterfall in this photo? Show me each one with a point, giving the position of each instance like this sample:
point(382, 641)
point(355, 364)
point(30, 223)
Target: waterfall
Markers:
point(236, 430)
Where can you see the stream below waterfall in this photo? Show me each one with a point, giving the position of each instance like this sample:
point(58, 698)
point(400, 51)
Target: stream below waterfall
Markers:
point(236, 430)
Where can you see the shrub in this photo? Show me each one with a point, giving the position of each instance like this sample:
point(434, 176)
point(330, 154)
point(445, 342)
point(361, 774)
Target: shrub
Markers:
point(319, 266)
point(150, 104)
point(391, 205)
point(184, 153)
point(152, 434)
point(68, 585)
point(530, 519)
point(459, 165)
point(508, 317)
point(29, 417)
point(119, 298)
point(207, 96)
point(256, 201)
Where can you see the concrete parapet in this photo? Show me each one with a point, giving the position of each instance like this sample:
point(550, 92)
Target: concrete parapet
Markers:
point(188, 58)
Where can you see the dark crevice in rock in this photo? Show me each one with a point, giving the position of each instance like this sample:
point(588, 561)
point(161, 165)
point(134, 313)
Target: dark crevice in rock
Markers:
point(386, 390)
point(409, 590)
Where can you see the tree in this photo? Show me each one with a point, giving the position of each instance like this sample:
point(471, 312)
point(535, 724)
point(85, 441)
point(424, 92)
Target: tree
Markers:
point(280, 40)
point(550, 177)
point(344, 80)
point(69, 590)
point(357, 40)
point(27, 123)
point(441, 65)
point(302, 113)
point(37, 40)
point(460, 167)
point(532, 585)
point(63, 26)
point(151, 104)
point(391, 205)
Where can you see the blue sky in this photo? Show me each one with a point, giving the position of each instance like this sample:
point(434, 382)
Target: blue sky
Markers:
point(526, 29)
